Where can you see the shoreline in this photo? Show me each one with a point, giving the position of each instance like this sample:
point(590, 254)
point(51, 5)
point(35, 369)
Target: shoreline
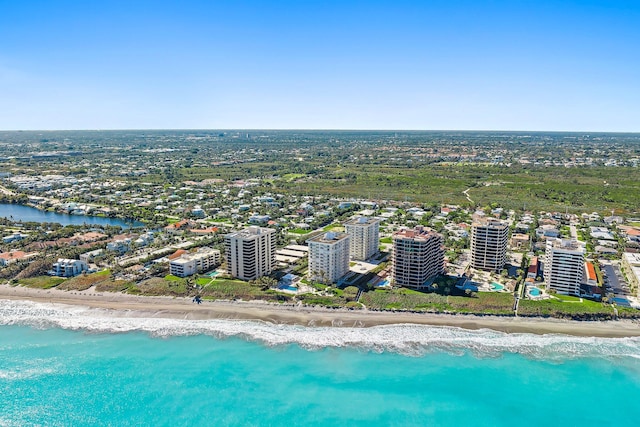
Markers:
point(131, 306)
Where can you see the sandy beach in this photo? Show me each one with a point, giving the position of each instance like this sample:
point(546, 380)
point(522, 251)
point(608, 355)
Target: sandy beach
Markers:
point(122, 305)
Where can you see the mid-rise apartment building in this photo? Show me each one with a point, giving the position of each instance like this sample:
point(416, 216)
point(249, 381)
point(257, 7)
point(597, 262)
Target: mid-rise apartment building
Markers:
point(364, 237)
point(68, 267)
point(418, 255)
point(251, 252)
point(191, 263)
point(489, 238)
point(564, 266)
point(328, 257)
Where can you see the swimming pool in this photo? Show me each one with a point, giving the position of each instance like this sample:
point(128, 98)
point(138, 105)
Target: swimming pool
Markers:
point(213, 274)
point(497, 286)
point(621, 301)
point(288, 288)
point(534, 292)
point(384, 283)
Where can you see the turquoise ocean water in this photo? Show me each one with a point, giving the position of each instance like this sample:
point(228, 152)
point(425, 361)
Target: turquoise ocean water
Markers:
point(71, 367)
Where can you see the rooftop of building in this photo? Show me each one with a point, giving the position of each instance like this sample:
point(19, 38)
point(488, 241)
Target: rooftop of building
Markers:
point(489, 222)
point(417, 233)
point(186, 257)
point(251, 232)
point(591, 271)
point(329, 237)
point(362, 221)
point(632, 258)
point(566, 244)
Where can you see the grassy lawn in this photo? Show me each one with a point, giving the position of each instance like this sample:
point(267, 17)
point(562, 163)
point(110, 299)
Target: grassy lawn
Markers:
point(173, 278)
point(41, 282)
point(386, 240)
point(202, 281)
point(567, 298)
point(160, 286)
point(333, 227)
point(114, 286)
point(406, 299)
point(300, 231)
point(567, 307)
point(239, 289)
point(484, 302)
point(85, 281)
point(227, 220)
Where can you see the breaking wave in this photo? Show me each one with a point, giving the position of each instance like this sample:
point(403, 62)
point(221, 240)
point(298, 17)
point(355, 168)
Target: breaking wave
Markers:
point(408, 339)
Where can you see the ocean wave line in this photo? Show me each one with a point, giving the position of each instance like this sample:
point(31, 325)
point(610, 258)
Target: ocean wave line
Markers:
point(408, 339)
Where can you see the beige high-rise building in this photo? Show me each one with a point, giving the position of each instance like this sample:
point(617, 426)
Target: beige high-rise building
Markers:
point(489, 238)
point(251, 253)
point(564, 266)
point(418, 255)
point(328, 257)
point(364, 237)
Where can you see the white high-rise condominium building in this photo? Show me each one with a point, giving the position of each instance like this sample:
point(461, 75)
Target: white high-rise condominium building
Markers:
point(489, 244)
point(328, 257)
point(251, 252)
point(564, 266)
point(418, 255)
point(364, 235)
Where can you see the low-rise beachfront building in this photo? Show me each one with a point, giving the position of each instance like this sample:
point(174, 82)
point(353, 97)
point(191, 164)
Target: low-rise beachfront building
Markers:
point(7, 258)
point(364, 237)
point(328, 256)
point(564, 266)
point(489, 244)
point(250, 253)
point(631, 265)
point(120, 246)
point(590, 277)
point(91, 255)
point(68, 267)
point(189, 264)
point(418, 256)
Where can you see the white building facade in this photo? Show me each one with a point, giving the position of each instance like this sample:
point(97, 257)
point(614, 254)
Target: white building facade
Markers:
point(189, 264)
point(251, 252)
point(489, 244)
point(564, 266)
point(328, 257)
point(364, 237)
point(418, 255)
point(68, 267)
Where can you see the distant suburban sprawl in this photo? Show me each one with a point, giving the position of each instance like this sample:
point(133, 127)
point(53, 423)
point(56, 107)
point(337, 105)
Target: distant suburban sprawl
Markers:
point(509, 224)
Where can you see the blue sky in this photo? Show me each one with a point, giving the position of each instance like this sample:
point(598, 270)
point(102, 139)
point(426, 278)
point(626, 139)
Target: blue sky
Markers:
point(503, 65)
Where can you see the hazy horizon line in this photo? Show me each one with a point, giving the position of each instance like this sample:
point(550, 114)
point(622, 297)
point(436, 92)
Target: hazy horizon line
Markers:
point(319, 130)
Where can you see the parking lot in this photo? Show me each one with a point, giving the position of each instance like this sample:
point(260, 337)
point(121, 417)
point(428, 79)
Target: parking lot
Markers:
point(613, 279)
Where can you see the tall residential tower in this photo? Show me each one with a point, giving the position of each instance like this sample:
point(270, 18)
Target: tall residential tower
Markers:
point(328, 257)
point(489, 244)
point(250, 252)
point(364, 235)
point(564, 266)
point(418, 255)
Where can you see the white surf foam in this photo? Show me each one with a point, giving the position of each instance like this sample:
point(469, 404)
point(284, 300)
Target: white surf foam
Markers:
point(407, 339)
